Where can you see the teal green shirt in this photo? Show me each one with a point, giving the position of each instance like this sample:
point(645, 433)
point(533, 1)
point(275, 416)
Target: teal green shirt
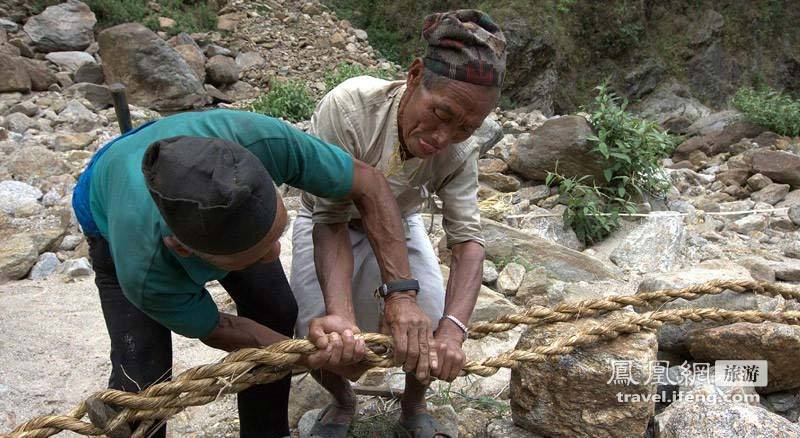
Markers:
point(165, 286)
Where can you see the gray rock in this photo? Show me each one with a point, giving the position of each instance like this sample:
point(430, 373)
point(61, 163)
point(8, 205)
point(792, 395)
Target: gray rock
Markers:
point(70, 61)
point(710, 26)
point(77, 117)
point(195, 58)
point(250, 60)
point(360, 34)
point(551, 228)
point(489, 272)
point(672, 107)
point(68, 142)
point(489, 133)
point(154, 73)
point(76, 268)
point(498, 181)
point(19, 123)
point(13, 75)
point(786, 404)
point(68, 26)
point(8, 25)
point(778, 344)
point(771, 194)
point(655, 245)
point(505, 428)
point(696, 417)
point(99, 95)
point(560, 262)
point(306, 394)
point(490, 303)
point(19, 199)
point(758, 182)
point(28, 108)
point(35, 162)
point(781, 167)
point(240, 90)
point(41, 76)
point(91, 73)
point(216, 95)
point(759, 268)
point(70, 242)
point(673, 337)
point(213, 50)
point(562, 140)
point(534, 194)
point(749, 224)
point(794, 214)
point(644, 78)
point(46, 265)
point(18, 254)
point(510, 279)
point(575, 395)
point(306, 422)
point(733, 206)
point(714, 74)
point(222, 70)
point(787, 270)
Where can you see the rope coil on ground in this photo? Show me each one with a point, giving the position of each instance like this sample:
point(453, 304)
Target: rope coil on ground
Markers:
point(243, 368)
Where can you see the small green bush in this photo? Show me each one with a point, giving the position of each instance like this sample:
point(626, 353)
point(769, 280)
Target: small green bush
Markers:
point(633, 149)
point(773, 110)
point(290, 99)
point(345, 70)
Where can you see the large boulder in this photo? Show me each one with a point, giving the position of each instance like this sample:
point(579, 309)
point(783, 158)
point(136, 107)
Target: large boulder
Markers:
point(18, 254)
point(222, 70)
point(671, 106)
point(155, 75)
point(564, 141)
point(673, 337)
point(717, 142)
point(41, 76)
point(715, 122)
point(68, 26)
point(560, 262)
point(195, 58)
point(70, 61)
point(19, 199)
point(13, 75)
point(35, 162)
point(694, 416)
point(655, 245)
point(576, 394)
point(778, 344)
point(781, 167)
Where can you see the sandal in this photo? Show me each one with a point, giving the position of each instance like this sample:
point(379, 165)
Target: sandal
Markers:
point(328, 430)
point(421, 426)
point(100, 414)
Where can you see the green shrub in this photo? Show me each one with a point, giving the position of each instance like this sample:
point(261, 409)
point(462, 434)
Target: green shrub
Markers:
point(291, 100)
point(775, 111)
point(345, 70)
point(633, 149)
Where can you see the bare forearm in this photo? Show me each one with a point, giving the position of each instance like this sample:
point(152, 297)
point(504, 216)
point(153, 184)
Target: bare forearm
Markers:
point(234, 332)
point(466, 271)
point(333, 258)
point(382, 223)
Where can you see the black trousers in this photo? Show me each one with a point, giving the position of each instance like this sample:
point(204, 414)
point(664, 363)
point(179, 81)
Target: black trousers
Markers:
point(141, 348)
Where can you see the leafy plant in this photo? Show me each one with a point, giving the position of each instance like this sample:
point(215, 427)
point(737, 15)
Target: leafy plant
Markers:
point(345, 70)
point(633, 149)
point(290, 99)
point(770, 109)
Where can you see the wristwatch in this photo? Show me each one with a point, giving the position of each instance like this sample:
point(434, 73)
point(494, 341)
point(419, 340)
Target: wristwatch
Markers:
point(390, 287)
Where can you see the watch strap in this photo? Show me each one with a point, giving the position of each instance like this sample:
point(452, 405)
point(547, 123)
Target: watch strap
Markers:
point(390, 287)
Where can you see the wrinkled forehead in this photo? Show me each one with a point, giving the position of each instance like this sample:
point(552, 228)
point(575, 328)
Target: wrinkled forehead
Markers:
point(473, 102)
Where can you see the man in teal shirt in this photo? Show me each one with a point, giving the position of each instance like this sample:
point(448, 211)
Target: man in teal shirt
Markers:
point(191, 198)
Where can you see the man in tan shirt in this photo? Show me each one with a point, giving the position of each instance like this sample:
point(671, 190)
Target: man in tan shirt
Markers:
point(417, 132)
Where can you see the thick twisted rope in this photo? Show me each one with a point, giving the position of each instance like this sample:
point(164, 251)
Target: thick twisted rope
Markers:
point(565, 312)
point(244, 368)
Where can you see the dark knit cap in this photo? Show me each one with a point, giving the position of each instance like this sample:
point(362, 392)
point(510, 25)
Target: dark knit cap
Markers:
point(465, 45)
point(214, 194)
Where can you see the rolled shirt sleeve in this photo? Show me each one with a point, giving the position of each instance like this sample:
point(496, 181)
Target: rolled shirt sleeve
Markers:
point(459, 194)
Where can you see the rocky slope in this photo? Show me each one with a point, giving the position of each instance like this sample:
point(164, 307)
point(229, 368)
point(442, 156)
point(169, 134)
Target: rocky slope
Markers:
point(733, 213)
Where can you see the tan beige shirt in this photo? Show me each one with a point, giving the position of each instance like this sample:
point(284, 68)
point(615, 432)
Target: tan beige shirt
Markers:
point(360, 116)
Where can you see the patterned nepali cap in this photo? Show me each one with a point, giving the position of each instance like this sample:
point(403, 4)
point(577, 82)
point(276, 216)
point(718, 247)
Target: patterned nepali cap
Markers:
point(465, 45)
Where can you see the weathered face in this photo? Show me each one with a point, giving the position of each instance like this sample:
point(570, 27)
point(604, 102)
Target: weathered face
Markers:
point(447, 113)
point(265, 251)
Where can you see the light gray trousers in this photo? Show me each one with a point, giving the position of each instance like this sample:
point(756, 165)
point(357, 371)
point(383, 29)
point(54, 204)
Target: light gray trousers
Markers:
point(366, 275)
